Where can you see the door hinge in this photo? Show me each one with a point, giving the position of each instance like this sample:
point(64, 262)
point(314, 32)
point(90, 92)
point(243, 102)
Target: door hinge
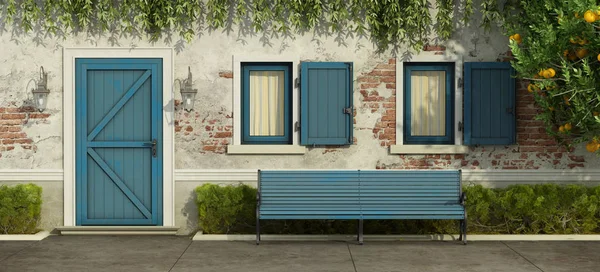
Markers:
point(460, 126)
point(461, 83)
point(297, 82)
point(347, 110)
point(296, 126)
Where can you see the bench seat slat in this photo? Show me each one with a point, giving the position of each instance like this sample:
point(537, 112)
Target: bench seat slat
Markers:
point(313, 217)
point(333, 194)
point(415, 217)
point(371, 189)
point(354, 207)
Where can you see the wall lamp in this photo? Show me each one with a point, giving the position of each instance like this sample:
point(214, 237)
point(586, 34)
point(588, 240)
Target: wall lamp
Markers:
point(40, 94)
point(188, 94)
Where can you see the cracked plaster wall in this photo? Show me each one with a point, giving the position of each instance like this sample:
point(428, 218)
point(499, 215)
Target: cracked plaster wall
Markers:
point(203, 134)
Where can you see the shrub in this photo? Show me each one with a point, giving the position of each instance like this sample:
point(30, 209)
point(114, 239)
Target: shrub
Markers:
point(20, 208)
point(517, 209)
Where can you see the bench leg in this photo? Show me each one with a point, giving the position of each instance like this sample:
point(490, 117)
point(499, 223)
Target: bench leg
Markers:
point(464, 231)
point(257, 228)
point(360, 232)
point(460, 229)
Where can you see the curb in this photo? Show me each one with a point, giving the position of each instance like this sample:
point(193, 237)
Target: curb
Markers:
point(25, 237)
point(442, 237)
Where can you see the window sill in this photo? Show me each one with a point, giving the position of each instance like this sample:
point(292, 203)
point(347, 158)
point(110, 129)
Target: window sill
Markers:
point(266, 150)
point(429, 149)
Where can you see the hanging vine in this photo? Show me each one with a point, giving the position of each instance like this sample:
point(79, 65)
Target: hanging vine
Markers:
point(387, 22)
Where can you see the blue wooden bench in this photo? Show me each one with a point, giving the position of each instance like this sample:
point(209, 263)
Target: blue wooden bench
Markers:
point(360, 195)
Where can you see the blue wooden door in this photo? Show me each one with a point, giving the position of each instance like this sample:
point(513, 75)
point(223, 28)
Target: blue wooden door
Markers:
point(118, 141)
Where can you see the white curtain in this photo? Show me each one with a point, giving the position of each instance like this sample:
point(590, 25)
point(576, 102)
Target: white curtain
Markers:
point(428, 103)
point(267, 103)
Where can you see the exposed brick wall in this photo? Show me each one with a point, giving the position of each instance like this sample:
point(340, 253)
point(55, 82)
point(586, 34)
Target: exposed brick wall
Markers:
point(212, 132)
point(12, 120)
point(383, 76)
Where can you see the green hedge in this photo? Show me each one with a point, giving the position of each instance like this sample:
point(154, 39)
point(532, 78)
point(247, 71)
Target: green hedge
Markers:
point(20, 208)
point(517, 209)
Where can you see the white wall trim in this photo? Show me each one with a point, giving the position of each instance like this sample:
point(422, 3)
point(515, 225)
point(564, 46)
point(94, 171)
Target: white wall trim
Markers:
point(266, 149)
point(32, 175)
point(537, 175)
point(458, 91)
point(429, 149)
point(69, 56)
point(237, 92)
point(202, 175)
point(475, 176)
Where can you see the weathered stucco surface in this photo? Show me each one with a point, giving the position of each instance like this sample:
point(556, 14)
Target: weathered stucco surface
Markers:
point(202, 136)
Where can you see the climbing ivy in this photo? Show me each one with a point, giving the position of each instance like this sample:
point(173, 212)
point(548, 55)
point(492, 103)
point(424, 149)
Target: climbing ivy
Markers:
point(386, 22)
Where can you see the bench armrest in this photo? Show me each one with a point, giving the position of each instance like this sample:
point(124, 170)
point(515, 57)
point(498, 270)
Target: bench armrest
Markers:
point(462, 198)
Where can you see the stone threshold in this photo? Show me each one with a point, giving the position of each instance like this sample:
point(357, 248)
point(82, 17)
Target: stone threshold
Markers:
point(118, 230)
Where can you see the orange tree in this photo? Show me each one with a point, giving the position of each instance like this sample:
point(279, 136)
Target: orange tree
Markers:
point(556, 46)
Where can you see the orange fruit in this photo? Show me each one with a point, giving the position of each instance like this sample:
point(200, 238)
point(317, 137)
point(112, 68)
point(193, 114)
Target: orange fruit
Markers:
point(591, 147)
point(572, 56)
point(552, 72)
point(596, 113)
point(566, 100)
point(541, 73)
point(531, 88)
point(577, 15)
point(598, 57)
point(561, 129)
point(547, 73)
point(566, 53)
point(590, 16)
point(573, 40)
point(516, 38)
point(568, 126)
point(584, 41)
point(581, 53)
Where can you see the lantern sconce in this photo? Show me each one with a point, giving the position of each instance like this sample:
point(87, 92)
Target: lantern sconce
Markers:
point(40, 94)
point(188, 94)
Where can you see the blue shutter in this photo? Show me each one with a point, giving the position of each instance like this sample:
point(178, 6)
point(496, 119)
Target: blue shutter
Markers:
point(489, 103)
point(326, 90)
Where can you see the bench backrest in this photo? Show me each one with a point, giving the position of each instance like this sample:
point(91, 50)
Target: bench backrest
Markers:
point(436, 187)
point(327, 194)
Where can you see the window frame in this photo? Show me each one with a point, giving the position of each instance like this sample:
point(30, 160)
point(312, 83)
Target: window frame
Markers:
point(457, 147)
point(247, 67)
point(235, 147)
point(449, 132)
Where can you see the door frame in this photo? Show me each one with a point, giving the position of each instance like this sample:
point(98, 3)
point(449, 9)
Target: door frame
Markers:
point(69, 56)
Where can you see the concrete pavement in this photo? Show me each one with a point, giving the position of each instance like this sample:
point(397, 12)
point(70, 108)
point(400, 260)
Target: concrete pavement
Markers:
point(159, 253)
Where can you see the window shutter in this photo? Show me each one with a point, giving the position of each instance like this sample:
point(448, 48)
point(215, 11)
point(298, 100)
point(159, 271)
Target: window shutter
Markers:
point(489, 103)
point(326, 116)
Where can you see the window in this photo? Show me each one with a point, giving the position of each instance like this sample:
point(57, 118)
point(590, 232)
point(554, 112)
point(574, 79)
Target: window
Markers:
point(266, 103)
point(428, 103)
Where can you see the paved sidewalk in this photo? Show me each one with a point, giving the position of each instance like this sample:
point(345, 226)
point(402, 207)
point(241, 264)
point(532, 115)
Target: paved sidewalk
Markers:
point(157, 253)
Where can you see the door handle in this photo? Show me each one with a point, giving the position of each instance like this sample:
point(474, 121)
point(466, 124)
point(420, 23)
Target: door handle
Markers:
point(154, 144)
